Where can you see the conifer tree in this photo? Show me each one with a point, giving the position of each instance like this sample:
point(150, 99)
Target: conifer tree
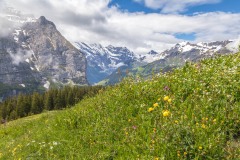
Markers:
point(36, 104)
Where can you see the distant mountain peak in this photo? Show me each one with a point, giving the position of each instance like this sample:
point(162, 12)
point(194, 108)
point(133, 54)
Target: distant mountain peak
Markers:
point(152, 52)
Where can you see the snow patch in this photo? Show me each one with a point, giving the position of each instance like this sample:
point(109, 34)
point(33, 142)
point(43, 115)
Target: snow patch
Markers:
point(234, 45)
point(23, 85)
point(46, 85)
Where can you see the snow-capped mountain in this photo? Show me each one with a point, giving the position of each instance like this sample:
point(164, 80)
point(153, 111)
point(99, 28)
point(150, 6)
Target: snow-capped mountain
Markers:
point(177, 56)
point(34, 55)
point(102, 61)
point(151, 56)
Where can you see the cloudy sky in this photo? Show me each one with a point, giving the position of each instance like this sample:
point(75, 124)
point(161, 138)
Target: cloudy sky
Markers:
point(140, 25)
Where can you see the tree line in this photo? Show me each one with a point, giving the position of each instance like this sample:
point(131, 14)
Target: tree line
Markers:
point(54, 99)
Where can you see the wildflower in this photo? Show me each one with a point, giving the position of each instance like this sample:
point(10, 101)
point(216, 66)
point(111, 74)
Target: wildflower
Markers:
point(203, 126)
point(176, 122)
point(134, 127)
point(159, 99)
point(215, 120)
point(55, 143)
point(155, 105)
point(129, 120)
point(166, 113)
point(166, 88)
point(169, 100)
point(166, 98)
point(150, 109)
point(200, 147)
point(178, 153)
point(126, 133)
point(185, 153)
point(156, 158)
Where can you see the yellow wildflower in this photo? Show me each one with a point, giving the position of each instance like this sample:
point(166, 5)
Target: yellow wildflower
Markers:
point(176, 122)
point(200, 147)
point(166, 98)
point(159, 99)
point(166, 113)
point(169, 100)
point(203, 126)
point(185, 153)
point(129, 120)
point(156, 158)
point(155, 105)
point(215, 120)
point(150, 109)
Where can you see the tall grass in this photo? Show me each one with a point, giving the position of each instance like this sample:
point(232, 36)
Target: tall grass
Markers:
point(190, 113)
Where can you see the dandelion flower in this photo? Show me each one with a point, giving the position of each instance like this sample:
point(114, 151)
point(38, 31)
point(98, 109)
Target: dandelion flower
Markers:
point(150, 109)
point(166, 113)
point(200, 147)
point(155, 105)
point(166, 98)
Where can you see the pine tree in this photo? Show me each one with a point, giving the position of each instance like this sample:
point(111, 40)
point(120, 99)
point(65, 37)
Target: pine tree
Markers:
point(58, 101)
point(20, 106)
point(36, 106)
point(48, 103)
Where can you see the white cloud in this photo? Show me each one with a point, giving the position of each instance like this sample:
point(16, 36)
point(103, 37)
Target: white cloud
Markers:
point(20, 56)
point(174, 6)
point(95, 22)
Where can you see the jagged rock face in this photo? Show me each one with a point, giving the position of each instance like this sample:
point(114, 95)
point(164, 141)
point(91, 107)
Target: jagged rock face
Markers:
point(35, 54)
point(54, 57)
point(11, 72)
point(102, 61)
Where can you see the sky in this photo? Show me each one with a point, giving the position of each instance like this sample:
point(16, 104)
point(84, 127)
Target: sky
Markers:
point(140, 25)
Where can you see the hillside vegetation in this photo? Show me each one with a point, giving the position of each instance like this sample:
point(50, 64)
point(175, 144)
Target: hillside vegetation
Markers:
point(190, 113)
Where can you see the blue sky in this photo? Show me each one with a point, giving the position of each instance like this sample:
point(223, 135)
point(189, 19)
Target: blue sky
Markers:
point(140, 25)
point(223, 5)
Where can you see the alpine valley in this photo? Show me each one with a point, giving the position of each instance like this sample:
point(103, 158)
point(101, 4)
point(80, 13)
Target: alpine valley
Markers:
point(34, 56)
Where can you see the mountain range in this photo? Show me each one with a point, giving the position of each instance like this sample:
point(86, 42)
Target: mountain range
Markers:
point(34, 56)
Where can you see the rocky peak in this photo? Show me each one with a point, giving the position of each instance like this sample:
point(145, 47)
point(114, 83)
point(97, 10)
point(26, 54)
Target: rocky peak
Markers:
point(43, 21)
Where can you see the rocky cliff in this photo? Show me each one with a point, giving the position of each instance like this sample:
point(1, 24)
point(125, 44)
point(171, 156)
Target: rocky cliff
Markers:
point(35, 54)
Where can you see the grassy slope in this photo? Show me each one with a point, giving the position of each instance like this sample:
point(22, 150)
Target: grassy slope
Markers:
point(203, 122)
